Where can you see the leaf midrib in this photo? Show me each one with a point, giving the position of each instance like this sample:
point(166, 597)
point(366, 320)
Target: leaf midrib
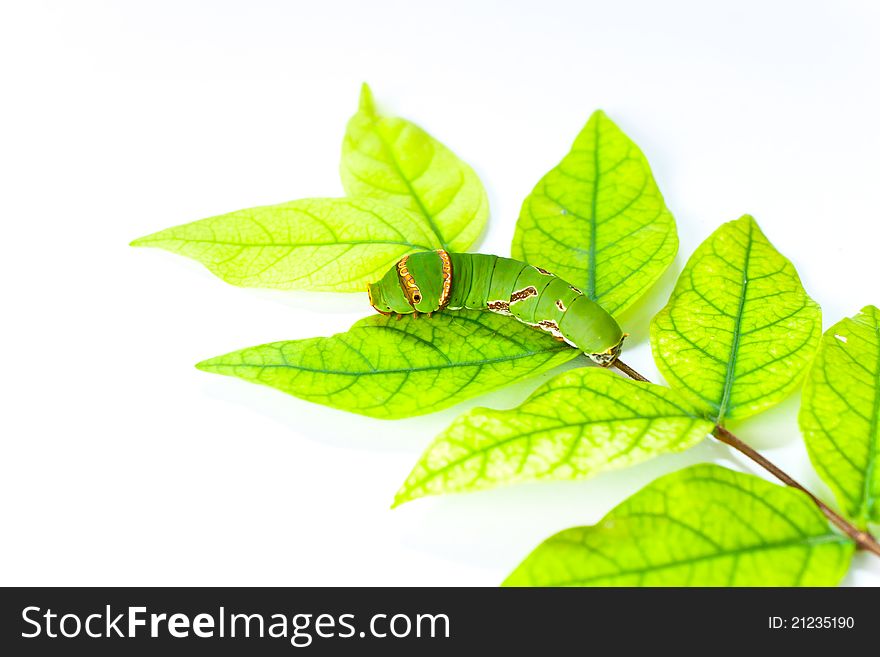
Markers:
point(412, 192)
point(474, 363)
point(290, 245)
point(591, 267)
point(521, 435)
point(868, 484)
point(730, 374)
point(808, 542)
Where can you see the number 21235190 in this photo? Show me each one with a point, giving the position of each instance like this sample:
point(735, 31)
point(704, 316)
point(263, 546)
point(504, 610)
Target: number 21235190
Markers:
point(811, 623)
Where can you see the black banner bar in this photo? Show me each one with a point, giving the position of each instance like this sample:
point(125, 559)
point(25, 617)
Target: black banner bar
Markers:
point(340, 621)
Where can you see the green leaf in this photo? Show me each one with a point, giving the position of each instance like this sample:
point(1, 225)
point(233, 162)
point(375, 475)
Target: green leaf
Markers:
point(840, 414)
point(336, 245)
point(701, 526)
point(390, 369)
point(739, 329)
point(578, 424)
point(391, 159)
point(598, 219)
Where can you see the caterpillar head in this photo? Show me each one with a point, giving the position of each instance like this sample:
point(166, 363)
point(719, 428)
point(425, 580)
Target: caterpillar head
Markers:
point(387, 297)
point(420, 282)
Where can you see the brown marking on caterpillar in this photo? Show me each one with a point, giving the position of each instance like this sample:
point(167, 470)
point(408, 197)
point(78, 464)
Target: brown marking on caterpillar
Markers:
point(551, 327)
point(524, 293)
point(560, 305)
point(543, 271)
point(501, 307)
point(447, 277)
point(407, 283)
point(574, 289)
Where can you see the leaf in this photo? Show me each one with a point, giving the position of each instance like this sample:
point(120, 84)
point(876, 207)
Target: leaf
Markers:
point(391, 159)
point(701, 526)
point(336, 245)
point(578, 424)
point(390, 369)
point(598, 219)
point(840, 414)
point(739, 329)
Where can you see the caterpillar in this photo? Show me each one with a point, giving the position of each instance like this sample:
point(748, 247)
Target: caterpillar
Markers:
point(431, 281)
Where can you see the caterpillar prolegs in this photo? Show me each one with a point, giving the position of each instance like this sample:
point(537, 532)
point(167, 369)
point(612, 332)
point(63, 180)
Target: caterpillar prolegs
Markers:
point(436, 280)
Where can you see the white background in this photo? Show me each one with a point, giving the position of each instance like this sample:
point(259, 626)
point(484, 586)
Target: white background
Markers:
point(123, 464)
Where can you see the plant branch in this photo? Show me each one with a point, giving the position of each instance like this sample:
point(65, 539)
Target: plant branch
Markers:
point(630, 372)
point(862, 538)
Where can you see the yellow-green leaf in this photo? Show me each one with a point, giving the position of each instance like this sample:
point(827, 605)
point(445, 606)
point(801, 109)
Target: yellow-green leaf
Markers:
point(598, 219)
point(701, 526)
point(739, 330)
point(577, 424)
point(394, 160)
point(389, 368)
point(840, 414)
point(335, 245)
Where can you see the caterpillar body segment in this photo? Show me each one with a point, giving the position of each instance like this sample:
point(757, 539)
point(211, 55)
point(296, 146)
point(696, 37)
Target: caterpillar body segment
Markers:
point(430, 281)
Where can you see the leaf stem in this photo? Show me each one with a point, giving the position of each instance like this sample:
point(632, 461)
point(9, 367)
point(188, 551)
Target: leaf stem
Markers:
point(862, 538)
point(630, 372)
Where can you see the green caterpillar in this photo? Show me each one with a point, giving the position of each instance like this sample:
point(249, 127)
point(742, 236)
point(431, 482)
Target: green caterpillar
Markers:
point(435, 280)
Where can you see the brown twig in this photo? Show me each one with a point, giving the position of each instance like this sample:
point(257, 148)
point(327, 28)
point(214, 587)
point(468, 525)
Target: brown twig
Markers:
point(862, 539)
point(630, 372)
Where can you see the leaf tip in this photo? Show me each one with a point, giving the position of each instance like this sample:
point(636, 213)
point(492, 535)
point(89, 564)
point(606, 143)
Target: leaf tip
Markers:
point(366, 103)
point(152, 240)
point(401, 497)
point(601, 117)
point(206, 365)
point(747, 219)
